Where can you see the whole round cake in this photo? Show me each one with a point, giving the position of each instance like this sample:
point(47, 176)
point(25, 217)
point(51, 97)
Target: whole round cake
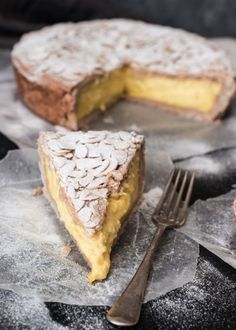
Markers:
point(68, 71)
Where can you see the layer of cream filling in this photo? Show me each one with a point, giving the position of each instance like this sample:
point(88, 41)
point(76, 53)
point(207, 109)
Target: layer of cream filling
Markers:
point(96, 249)
point(181, 93)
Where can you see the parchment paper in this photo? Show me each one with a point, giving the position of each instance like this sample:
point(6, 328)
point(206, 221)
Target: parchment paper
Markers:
point(211, 224)
point(32, 239)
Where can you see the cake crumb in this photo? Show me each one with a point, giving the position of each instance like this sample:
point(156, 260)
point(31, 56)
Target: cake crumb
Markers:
point(37, 191)
point(234, 208)
point(65, 251)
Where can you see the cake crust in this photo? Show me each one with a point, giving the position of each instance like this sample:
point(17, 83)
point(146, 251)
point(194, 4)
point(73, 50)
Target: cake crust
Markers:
point(50, 78)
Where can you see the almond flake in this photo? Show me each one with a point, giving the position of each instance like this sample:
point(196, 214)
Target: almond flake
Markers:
point(59, 161)
point(71, 191)
point(125, 136)
point(112, 166)
point(105, 150)
point(121, 145)
point(120, 156)
point(88, 163)
point(67, 142)
point(67, 169)
point(54, 145)
point(78, 204)
point(100, 169)
point(84, 214)
point(78, 174)
point(93, 151)
point(81, 151)
point(97, 182)
point(86, 180)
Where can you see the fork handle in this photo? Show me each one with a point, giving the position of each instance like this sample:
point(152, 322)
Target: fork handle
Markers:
point(126, 310)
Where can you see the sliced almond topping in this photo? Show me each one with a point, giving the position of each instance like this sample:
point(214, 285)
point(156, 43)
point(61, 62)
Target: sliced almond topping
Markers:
point(90, 172)
point(97, 182)
point(81, 151)
point(78, 204)
point(100, 169)
point(78, 174)
point(93, 151)
point(67, 142)
point(88, 163)
point(125, 136)
point(59, 161)
point(54, 145)
point(67, 169)
point(84, 214)
point(121, 145)
point(105, 150)
point(71, 191)
point(112, 166)
point(86, 180)
point(120, 156)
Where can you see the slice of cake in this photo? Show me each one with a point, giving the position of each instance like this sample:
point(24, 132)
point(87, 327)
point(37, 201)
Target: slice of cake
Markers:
point(68, 71)
point(93, 180)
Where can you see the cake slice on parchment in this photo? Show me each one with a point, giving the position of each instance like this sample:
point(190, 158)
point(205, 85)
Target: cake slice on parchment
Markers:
point(93, 180)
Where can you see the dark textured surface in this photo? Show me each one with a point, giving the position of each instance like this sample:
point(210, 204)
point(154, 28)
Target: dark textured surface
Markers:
point(208, 302)
point(207, 17)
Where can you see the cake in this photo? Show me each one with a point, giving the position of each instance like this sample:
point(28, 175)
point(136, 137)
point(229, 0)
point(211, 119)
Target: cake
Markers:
point(93, 180)
point(68, 71)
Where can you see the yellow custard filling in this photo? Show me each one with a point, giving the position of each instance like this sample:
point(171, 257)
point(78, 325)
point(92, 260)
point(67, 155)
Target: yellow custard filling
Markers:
point(188, 93)
point(100, 93)
point(97, 248)
point(183, 93)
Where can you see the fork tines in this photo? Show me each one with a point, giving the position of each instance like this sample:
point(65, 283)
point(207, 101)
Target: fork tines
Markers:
point(176, 196)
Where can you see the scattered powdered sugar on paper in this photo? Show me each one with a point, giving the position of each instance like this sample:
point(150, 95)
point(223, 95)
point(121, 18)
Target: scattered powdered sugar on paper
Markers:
point(31, 241)
point(25, 312)
point(202, 165)
point(204, 303)
point(149, 199)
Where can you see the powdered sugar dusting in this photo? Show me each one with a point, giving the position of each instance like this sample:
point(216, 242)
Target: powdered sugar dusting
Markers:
point(54, 51)
point(203, 164)
point(25, 312)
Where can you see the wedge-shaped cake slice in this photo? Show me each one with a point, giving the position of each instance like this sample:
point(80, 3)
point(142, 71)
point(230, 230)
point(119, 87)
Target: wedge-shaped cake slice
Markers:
point(93, 180)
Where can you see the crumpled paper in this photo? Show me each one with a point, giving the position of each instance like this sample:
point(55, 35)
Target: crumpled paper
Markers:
point(32, 241)
point(211, 224)
point(178, 136)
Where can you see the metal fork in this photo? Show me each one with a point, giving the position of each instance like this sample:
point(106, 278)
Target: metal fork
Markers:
point(171, 211)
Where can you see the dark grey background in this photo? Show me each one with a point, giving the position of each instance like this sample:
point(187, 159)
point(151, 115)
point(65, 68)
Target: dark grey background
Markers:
point(207, 17)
